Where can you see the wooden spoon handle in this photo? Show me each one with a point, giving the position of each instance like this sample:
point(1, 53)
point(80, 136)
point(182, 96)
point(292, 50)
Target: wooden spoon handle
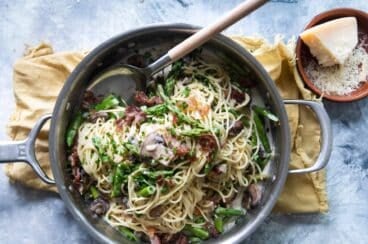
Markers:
point(208, 32)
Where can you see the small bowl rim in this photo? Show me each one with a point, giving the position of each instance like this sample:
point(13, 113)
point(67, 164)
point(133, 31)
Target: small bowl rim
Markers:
point(359, 93)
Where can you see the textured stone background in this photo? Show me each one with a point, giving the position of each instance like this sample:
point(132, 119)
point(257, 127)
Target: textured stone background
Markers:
point(28, 216)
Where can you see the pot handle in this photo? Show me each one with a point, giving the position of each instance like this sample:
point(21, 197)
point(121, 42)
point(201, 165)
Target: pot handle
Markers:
point(24, 150)
point(326, 135)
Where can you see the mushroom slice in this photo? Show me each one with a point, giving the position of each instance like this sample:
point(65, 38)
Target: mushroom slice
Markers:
point(255, 193)
point(154, 147)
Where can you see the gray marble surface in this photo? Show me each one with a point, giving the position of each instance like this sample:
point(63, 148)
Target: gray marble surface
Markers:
point(29, 216)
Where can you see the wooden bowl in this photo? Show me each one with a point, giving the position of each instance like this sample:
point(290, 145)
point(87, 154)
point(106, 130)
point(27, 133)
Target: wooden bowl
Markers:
point(304, 56)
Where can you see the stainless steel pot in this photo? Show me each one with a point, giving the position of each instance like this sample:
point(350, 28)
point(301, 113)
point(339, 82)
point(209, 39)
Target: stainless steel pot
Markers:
point(160, 38)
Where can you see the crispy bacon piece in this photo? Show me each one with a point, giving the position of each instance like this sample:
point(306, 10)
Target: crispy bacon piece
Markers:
point(89, 99)
point(238, 96)
point(182, 150)
point(195, 105)
point(156, 212)
point(119, 124)
point(76, 172)
point(178, 238)
point(160, 180)
point(80, 178)
point(134, 115)
point(236, 128)
point(142, 99)
point(73, 157)
point(207, 142)
point(175, 120)
point(183, 239)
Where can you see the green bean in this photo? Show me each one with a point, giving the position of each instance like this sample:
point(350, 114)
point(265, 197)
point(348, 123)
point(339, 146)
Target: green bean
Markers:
point(172, 77)
point(219, 224)
point(128, 233)
point(116, 186)
point(234, 112)
point(147, 191)
point(193, 132)
point(141, 181)
point(253, 138)
point(176, 69)
point(228, 212)
point(73, 129)
point(169, 85)
point(158, 173)
point(94, 192)
point(261, 133)
point(198, 232)
point(234, 70)
point(175, 110)
point(199, 220)
point(157, 110)
point(265, 113)
point(131, 148)
point(109, 102)
point(120, 177)
point(243, 119)
point(262, 161)
point(105, 158)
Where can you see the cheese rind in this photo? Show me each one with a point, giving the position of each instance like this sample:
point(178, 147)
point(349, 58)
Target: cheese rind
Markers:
point(333, 41)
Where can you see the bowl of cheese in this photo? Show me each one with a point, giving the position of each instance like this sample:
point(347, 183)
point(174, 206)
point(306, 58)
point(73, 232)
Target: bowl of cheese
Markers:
point(332, 55)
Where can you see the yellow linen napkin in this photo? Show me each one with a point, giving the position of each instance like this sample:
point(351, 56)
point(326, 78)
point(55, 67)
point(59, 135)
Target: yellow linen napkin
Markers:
point(40, 74)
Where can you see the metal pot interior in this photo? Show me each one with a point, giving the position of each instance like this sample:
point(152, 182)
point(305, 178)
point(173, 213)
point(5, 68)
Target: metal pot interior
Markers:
point(159, 39)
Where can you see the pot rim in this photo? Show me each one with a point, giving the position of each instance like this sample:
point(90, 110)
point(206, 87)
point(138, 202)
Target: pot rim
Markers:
point(255, 66)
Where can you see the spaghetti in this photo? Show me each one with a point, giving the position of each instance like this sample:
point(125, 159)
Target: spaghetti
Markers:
point(175, 163)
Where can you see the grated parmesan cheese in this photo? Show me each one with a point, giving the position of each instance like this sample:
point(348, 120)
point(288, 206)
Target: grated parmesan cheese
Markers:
point(341, 79)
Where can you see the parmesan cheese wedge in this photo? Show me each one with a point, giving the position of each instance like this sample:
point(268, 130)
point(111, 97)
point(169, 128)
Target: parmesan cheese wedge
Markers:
point(333, 41)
